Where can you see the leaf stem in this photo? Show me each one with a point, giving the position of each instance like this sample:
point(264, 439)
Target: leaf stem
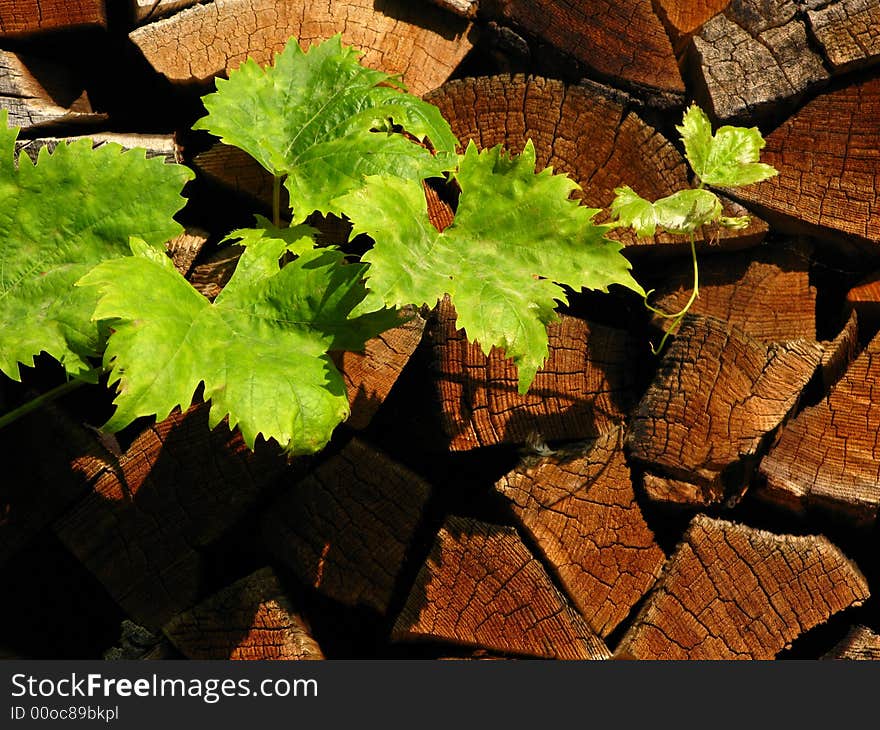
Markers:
point(46, 397)
point(678, 316)
point(276, 201)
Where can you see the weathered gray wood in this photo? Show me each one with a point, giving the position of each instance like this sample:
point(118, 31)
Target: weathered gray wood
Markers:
point(155, 145)
point(849, 32)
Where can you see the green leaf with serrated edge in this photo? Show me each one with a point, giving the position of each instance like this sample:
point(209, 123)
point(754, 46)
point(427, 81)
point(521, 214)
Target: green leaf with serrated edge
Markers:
point(729, 158)
point(310, 117)
point(516, 237)
point(260, 349)
point(77, 206)
point(682, 212)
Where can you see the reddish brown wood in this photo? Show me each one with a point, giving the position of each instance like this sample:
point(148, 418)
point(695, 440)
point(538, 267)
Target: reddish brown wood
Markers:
point(828, 170)
point(345, 528)
point(765, 292)
point(579, 507)
point(840, 352)
point(861, 643)
point(581, 131)
point(185, 248)
point(422, 43)
point(717, 396)
point(24, 17)
point(623, 40)
point(482, 587)
point(733, 592)
point(253, 619)
point(849, 33)
point(585, 388)
point(864, 298)
point(827, 456)
point(683, 17)
point(236, 170)
point(178, 488)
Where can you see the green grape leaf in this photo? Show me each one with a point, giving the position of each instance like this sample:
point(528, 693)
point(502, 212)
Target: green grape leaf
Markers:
point(76, 207)
point(261, 348)
point(311, 117)
point(682, 212)
point(516, 237)
point(729, 158)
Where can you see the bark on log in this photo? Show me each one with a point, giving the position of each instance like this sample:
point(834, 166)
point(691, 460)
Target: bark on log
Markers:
point(765, 292)
point(827, 456)
point(39, 93)
point(733, 592)
point(585, 388)
point(65, 461)
point(849, 33)
point(178, 488)
point(253, 619)
point(717, 396)
point(345, 528)
point(26, 17)
point(859, 644)
point(579, 507)
point(421, 43)
point(621, 40)
point(741, 76)
point(481, 587)
point(588, 135)
point(828, 169)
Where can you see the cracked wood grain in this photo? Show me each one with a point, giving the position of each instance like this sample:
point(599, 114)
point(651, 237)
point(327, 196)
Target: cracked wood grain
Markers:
point(580, 131)
point(253, 619)
point(864, 299)
point(344, 530)
point(26, 17)
point(683, 17)
point(718, 394)
point(481, 587)
point(177, 489)
point(741, 76)
point(827, 456)
point(765, 292)
point(829, 173)
point(733, 592)
point(421, 43)
point(38, 94)
point(860, 643)
point(849, 33)
point(585, 388)
point(840, 352)
point(621, 40)
point(579, 507)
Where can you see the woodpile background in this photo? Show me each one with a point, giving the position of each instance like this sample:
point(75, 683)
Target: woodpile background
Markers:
point(719, 501)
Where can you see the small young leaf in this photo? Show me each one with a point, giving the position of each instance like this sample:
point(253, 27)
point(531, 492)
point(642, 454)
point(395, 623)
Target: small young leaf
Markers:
point(516, 237)
point(77, 206)
point(322, 119)
point(682, 212)
point(260, 349)
point(729, 158)
point(633, 210)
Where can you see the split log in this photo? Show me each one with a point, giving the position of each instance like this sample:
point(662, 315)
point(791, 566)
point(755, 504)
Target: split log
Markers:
point(827, 456)
point(421, 43)
point(849, 33)
point(482, 587)
point(185, 248)
point(859, 644)
point(65, 460)
point(145, 11)
point(585, 388)
point(38, 93)
point(591, 136)
point(579, 507)
point(137, 643)
point(370, 375)
point(765, 292)
point(741, 76)
point(26, 17)
point(733, 592)
point(252, 619)
point(346, 527)
point(864, 299)
point(236, 170)
point(620, 40)
point(683, 17)
point(154, 145)
point(828, 169)
point(840, 352)
point(178, 488)
point(717, 396)
point(464, 8)
point(211, 275)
